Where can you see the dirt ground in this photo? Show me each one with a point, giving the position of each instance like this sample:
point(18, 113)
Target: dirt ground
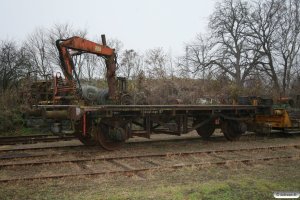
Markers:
point(232, 181)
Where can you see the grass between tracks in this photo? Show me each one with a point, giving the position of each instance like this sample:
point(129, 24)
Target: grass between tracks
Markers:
point(258, 181)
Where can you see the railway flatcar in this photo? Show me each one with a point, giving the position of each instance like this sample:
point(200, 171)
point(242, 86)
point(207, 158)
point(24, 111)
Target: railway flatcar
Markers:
point(109, 117)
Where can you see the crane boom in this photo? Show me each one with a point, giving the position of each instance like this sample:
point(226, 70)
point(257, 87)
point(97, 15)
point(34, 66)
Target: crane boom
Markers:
point(85, 46)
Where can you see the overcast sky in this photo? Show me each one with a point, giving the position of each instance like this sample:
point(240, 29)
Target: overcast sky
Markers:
point(139, 24)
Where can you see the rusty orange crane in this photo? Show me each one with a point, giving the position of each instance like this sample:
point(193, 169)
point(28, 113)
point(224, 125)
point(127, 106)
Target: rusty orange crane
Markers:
point(81, 45)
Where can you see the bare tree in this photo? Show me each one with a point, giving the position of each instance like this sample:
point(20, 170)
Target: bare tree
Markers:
point(131, 64)
point(90, 64)
point(65, 31)
point(197, 58)
point(263, 22)
point(37, 49)
point(288, 42)
point(155, 60)
point(247, 39)
point(275, 27)
point(14, 64)
point(227, 49)
point(228, 26)
point(170, 65)
point(99, 62)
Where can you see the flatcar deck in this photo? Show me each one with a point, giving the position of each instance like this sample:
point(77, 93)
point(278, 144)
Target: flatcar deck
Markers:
point(113, 124)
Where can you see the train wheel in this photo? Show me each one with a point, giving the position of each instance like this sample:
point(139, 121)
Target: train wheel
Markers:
point(110, 138)
point(206, 130)
point(232, 130)
point(88, 139)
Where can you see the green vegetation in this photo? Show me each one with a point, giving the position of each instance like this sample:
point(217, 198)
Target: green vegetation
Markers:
point(10, 115)
point(9, 120)
point(21, 131)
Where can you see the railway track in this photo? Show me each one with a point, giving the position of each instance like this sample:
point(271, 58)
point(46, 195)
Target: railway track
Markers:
point(129, 143)
point(159, 161)
point(30, 139)
point(248, 136)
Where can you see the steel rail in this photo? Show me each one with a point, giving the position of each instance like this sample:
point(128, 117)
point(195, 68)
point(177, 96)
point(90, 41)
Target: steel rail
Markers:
point(158, 168)
point(164, 140)
point(78, 160)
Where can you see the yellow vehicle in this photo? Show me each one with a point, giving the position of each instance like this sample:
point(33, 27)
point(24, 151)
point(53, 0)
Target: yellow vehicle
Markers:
point(283, 116)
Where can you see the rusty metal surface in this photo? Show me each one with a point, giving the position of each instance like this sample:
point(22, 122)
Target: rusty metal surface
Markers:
point(167, 107)
point(76, 111)
point(82, 44)
point(150, 107)
point(56, 114)
point(85, 46)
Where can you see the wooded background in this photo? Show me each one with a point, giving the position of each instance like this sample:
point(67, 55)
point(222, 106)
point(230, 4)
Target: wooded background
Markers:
point(250, 48)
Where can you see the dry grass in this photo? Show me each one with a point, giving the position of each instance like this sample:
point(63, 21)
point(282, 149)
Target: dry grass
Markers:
point(232, 181)
point(229, 182)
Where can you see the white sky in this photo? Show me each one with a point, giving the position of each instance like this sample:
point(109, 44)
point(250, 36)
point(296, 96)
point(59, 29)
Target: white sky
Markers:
point(139, 24)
